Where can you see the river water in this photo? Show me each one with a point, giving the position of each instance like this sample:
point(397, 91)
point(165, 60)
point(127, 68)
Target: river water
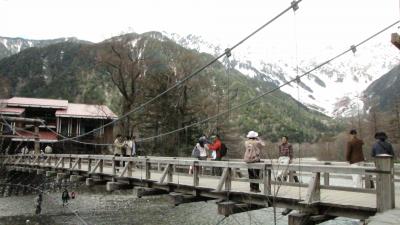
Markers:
point(98, 207)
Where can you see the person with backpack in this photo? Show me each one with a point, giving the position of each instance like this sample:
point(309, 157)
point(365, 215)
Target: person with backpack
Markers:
point(219, 150)
point(252, 152)
point(382, 147)
point(199, 151)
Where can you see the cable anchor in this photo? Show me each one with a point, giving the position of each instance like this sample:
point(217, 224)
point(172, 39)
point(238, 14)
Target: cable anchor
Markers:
point(228, 52)
point(298, 79)
point(295, 5)
point(353, 49)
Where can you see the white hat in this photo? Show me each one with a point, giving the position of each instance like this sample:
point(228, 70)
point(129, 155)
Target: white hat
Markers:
point(252, 134)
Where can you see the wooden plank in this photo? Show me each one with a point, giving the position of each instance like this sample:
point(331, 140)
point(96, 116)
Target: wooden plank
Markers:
point(165, 173)
point(314, 191)
point(75, 164)
point(97, 165)
point(59, 162)
point(222, 180)
point(124, 170)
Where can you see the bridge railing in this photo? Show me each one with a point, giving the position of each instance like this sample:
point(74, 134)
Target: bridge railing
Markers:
point(382, 172)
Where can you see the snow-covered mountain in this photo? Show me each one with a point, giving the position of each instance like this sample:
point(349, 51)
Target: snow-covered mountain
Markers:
point(335, 89)
point(10, 46)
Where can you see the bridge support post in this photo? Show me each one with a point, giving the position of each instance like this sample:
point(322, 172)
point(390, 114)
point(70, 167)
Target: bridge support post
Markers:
point(75, 178)
point(228, 208)
point(143, 191)
point(267, 180)
point(300, 219)
point(147, 167)
point(39, 171)
point(89, 165)
point(89, 182)
point(196, 169)
point(50, 173)
point(326, 179)
point(314, 189)
point(179, 198)
point(112, 186)
point(385, 197)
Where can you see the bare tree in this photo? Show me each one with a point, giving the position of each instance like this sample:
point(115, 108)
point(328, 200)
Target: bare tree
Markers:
point(122, 61)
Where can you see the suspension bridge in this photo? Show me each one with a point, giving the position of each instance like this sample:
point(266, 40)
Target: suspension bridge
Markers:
point(315, 197)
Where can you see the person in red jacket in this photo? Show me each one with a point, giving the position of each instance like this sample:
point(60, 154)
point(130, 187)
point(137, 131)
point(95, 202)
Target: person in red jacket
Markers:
point(216, 146)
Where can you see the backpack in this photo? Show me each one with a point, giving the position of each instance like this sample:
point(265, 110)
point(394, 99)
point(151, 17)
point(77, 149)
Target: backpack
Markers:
point(223, 150)
point(195, 152)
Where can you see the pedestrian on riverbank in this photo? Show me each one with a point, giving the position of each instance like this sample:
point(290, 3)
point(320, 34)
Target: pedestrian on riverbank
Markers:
point(73, 195)
point(381, 146)
point(65, 197)
point(253, 147)
point(355, 156)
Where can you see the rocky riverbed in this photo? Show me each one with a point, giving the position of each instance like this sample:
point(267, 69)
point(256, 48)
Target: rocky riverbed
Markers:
point(96, 206)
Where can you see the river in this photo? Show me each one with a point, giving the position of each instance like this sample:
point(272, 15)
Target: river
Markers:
point(95, 206)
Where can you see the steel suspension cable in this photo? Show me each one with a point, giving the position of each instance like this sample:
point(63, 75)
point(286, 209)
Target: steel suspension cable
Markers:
point(274, 89)
point(293, 5)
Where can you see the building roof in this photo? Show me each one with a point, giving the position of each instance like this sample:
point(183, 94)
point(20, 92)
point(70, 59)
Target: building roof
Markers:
point(44, 136)
point(11, 111)
point(37, 102)
point(86, 111)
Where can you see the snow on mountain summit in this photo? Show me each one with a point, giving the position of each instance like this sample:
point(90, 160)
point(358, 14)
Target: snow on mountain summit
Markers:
point(323, 89)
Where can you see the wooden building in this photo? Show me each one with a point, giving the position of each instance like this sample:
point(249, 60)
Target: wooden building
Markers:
point(62, 119)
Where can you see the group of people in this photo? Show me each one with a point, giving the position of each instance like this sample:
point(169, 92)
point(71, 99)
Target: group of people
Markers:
point(355, 156)
point(26, 151)
point(124, 146)
point(213, 148)
point(66, 196)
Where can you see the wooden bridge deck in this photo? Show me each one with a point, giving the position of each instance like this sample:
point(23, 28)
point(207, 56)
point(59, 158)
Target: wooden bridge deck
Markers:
point(352, 198)
point(314, 195)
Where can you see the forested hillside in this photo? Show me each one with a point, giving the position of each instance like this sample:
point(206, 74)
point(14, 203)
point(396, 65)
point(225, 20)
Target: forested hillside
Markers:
point(126, 71)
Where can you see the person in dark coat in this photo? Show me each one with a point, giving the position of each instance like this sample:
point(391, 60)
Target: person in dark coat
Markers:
point(381, 146)
point(355, 156)
point(65, 197)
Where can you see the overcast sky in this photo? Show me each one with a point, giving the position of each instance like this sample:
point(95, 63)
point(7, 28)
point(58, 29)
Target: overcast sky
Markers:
point(318, 23)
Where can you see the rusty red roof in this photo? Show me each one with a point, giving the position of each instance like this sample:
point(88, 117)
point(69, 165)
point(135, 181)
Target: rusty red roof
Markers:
point(44, 136)
point(37, 102)
point(86, 111)
point(11, 111)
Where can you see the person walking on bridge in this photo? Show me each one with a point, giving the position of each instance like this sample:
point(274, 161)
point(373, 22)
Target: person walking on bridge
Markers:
point(118, 148)
point(252, 152)
point(382, 147)
point(216, 147)
point(285, 158)
point(355, 156)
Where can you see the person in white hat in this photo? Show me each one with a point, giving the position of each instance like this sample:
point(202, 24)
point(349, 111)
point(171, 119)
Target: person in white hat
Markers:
point(253, 147)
